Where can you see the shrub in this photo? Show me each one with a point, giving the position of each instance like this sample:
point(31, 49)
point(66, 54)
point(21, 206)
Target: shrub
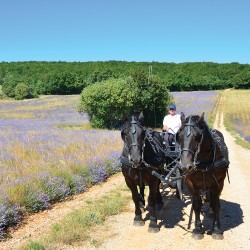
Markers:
point(55, 188)
point(8, 214)
point(9, 84)
point(98, 173)
point(107, 103)
point(77, 184)
point(36, 201)
point(22, 91)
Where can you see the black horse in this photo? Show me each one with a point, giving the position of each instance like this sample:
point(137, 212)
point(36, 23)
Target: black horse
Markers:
point(140, 156)
point(204, 159)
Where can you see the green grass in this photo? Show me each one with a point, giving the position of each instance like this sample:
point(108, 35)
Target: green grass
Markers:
point(78, 227)
point(34, 245)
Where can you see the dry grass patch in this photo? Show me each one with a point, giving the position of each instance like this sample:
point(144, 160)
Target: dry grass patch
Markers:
point(84, 226)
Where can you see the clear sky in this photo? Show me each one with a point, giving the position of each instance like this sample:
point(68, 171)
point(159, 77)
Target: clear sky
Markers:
point(127, 30)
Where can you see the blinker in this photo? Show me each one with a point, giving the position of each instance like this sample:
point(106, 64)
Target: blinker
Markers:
point(133, 122)
point(188, 126)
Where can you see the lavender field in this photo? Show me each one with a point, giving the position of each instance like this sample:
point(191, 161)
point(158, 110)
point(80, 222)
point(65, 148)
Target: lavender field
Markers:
point(196, 102)
point(49, 152)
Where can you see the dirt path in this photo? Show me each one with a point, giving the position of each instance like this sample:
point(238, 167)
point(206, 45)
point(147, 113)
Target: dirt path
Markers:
point(37, 224)
point(173, 218)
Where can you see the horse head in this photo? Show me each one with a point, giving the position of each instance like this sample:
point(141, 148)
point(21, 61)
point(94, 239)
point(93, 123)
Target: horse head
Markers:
point(190, 138)
point(133, 135)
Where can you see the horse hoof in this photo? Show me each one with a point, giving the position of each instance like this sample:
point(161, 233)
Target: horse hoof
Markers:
point(197, 236)
point(143, 209)
point(217, 236)
point(153, 229)
point(139, 223)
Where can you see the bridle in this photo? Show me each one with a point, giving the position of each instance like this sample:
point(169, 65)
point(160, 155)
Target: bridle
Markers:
point(187, 127)
point(134, 125)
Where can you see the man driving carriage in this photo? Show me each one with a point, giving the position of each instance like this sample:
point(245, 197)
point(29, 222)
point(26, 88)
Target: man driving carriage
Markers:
point(171, 124)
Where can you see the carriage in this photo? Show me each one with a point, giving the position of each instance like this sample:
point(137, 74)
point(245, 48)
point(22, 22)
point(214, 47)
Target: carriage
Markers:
point(202, 156)
point(171, 176)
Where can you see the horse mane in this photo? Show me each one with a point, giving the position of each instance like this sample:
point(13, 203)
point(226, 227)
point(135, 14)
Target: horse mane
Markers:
point(215, 136)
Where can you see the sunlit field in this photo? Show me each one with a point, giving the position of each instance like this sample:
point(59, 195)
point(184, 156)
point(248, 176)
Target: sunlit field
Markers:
point(49, 152)
point(196, 102)
point(237, 112)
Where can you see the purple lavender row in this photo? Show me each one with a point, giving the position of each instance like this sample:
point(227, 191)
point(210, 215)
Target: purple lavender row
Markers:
point(45, 152)
point(196, 102)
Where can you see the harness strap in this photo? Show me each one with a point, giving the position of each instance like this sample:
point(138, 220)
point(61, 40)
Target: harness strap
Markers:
point(204, 180)
point(133, 144)
point(151, 139)
point(189, 150)
point(228, 176)
point(216, 180)
point(125, 161)
point(188, 125)
point(140, 179)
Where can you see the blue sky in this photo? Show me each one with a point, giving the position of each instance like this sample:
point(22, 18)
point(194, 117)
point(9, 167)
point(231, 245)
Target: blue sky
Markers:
point(127, 30)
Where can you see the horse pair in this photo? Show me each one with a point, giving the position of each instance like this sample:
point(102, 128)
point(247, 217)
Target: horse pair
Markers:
point(203, 160)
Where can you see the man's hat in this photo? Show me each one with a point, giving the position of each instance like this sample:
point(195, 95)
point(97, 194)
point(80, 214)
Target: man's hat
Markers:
point(172, 106)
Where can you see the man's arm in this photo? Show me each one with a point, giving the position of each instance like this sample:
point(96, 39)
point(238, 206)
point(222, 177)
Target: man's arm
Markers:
point(165, 128)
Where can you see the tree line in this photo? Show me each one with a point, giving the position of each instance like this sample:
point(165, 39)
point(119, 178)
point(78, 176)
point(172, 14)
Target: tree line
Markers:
point(30, 79)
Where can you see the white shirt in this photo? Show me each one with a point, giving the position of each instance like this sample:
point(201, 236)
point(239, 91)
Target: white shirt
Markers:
point(173, 122)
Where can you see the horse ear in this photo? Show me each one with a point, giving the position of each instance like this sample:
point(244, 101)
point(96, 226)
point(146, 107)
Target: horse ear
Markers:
point(141, 118)
point(182, 119)
point(201, 119)
point(126, 119)
point(123, 134)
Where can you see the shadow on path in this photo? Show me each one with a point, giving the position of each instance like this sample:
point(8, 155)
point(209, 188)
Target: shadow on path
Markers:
point(173, 212)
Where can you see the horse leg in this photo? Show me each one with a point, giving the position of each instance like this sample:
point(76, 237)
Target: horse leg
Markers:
point(158, 196)
point(141, 197)
point(138, 221)
point(197, 204)
point(208, 199)
point(215, 205)
point(179, 185)
point(153, 186)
